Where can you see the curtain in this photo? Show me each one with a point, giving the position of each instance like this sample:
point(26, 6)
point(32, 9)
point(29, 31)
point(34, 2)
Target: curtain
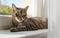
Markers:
point(30, 4)
point(36, 7)
point(53, 19)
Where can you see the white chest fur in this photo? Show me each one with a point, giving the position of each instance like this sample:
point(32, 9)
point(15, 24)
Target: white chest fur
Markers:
point(18, 19)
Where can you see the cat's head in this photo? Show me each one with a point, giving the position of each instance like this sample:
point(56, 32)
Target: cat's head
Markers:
point(19, 13)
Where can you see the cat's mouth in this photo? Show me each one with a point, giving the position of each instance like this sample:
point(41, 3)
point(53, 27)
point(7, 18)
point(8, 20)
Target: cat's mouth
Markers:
point(19, 20)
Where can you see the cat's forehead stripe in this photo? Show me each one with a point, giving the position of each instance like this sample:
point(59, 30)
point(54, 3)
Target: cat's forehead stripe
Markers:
point(20, 8)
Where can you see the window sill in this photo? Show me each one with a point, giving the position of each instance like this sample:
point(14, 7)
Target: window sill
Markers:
point(5, 16)
point(25, 34)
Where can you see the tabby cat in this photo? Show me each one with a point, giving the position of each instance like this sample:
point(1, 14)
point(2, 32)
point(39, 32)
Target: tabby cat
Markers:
point(20, 21)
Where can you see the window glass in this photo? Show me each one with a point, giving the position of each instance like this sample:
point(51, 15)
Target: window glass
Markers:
point(5, 6)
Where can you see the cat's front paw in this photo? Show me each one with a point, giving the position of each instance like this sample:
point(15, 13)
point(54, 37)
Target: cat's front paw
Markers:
point(14, 30)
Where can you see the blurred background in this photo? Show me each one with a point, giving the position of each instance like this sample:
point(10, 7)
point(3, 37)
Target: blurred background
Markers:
point(36, 7)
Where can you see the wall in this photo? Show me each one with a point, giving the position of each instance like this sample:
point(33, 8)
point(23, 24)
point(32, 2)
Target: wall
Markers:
point(5, 22)
point(39, 8)
point(44, 9)
point(57, 18)
point(36, 7)
point(31, 10)
point(53, 23)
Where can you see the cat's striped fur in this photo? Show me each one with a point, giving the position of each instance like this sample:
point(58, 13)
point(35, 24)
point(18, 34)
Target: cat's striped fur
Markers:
point(20, 21)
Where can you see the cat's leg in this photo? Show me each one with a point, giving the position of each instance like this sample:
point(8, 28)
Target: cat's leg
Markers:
point(21, 28)
point(14, 29)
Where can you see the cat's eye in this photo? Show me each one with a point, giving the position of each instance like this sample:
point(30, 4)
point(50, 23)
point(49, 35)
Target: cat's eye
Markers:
point(24, 15)
point(16, 14)
point(21, 11)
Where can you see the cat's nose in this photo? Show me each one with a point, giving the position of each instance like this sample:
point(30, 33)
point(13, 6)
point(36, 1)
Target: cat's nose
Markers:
point(21, 19)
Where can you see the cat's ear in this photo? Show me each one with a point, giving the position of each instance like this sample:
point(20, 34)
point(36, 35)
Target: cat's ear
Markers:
point(26, 8)
point(14, 7)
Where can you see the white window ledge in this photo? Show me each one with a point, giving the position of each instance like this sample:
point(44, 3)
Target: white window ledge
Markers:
point(24, 34)
point(5, 16)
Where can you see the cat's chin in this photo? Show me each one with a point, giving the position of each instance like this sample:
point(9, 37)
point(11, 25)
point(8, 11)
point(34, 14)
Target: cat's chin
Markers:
point(18, 19)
